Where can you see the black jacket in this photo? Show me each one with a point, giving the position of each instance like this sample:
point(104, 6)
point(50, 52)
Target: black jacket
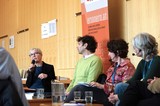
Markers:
point(47, 69)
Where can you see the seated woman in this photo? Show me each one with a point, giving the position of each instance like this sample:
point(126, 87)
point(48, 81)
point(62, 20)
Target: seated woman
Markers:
point(120, 71)
point(40, 73)
point(154, 87)
point(142, 94)
point(146, 47)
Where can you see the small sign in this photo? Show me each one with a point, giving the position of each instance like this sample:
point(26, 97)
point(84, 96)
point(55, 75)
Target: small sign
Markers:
point(48, 29)
point(11, 42)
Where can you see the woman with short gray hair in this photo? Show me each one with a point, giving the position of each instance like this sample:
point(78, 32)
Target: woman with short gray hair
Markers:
point(146, 44)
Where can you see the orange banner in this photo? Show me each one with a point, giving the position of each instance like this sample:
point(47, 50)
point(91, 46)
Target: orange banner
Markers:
point(95, 23)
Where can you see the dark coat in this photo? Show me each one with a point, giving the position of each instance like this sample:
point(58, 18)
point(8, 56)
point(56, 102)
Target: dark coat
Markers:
point(47, 69)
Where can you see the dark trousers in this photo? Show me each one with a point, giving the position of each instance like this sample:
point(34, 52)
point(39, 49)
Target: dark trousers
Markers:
point(135, 94)
point(153, 101)
point(99, 96)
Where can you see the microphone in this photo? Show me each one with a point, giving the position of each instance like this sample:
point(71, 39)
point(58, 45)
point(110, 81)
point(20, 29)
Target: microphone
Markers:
point(32, 65)
point(33, 62)
point(133, 54)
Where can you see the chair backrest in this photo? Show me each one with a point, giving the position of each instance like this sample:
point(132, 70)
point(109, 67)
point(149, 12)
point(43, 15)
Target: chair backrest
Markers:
point(101, 79)
point(24, 74)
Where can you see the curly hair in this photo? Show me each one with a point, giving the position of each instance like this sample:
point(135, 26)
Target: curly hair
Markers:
point(118, 47)
point(90, 40)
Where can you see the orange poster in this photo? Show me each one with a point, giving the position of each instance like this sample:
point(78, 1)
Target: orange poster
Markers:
point(95, 23)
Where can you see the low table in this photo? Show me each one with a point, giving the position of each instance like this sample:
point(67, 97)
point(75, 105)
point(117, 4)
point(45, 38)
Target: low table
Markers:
point(37, 102)
point(61, 104)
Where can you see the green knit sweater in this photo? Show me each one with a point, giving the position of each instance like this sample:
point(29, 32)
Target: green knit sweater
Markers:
point(87, 70)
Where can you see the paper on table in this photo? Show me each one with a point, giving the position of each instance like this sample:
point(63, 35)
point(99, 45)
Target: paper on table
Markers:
point(84, 83)
point(29, 95)
point(73, 104)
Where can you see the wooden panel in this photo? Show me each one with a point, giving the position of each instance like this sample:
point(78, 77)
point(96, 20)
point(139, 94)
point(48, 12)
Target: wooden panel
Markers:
point(67, 51)
point(117, 18)
point(4, 42)
point(32, 14)
point(23, 59)
point(8, 14)
point(59, 50)
point(143, 16)
point(8, 21)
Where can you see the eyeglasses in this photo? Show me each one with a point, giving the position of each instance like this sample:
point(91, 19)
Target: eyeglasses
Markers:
point(32, 54)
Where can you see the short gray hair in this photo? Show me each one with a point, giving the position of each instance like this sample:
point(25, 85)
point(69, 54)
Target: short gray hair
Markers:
point(147, 44)
point(37, 50)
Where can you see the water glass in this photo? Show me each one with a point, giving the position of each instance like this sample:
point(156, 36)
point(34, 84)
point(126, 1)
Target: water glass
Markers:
point(40, 93)
point(77, 95)
point(58, 92)
point(88, 97)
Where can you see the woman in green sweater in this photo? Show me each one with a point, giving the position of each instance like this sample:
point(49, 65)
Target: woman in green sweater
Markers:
point(145, 46)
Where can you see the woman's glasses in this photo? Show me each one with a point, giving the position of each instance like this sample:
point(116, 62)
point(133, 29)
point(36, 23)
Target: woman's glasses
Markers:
point(32, 54)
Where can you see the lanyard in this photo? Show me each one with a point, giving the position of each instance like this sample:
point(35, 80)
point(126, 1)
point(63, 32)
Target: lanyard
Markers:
point(114, 73)
point(145, 70)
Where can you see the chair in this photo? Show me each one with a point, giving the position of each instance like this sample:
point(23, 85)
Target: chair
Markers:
point(24, 74)
point(101, 79)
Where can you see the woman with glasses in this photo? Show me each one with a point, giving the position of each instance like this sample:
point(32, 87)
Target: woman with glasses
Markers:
point(40, 73)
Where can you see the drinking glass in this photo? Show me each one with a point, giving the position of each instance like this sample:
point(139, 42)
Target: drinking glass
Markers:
point(88, 97)
point(40, 93)
point(58, 92)
point(77, 95)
